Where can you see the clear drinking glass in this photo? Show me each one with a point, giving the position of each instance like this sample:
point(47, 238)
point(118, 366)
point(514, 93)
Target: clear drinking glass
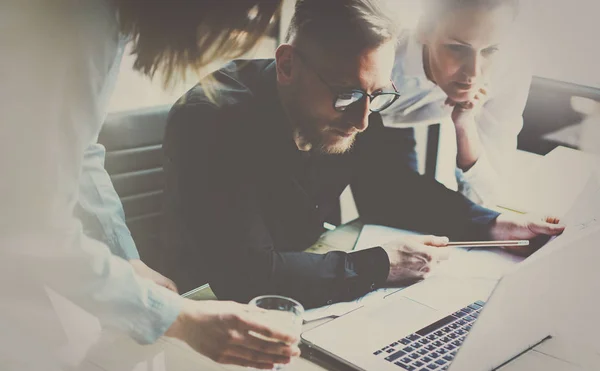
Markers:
point(284, 314)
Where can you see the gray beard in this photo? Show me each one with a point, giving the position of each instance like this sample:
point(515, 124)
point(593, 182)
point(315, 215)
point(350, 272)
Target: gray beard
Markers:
point(307, 142)
point(309, 138)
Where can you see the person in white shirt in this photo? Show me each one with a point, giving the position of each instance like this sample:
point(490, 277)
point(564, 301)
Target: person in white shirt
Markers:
point(59, 63)
point(459, 67)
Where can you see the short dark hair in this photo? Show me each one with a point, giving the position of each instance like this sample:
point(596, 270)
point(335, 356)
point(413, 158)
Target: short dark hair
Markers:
point(173, 35)
point(353, 25)
point(433, 10)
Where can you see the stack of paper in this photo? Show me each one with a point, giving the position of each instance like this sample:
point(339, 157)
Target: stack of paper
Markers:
point(548, 185)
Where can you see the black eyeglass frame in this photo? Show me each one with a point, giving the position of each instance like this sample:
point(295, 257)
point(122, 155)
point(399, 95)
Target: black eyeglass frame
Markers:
point(337, 93)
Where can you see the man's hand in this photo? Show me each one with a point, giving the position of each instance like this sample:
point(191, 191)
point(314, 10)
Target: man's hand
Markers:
point(146, 272)
point(414, 258)
point(525, 227)
point(222, 331)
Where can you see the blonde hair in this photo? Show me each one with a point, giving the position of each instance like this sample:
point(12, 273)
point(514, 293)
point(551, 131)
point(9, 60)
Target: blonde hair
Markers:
point(433, 10)
point(176, 35)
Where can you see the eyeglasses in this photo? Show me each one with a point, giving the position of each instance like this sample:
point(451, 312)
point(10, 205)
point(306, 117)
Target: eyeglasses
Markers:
point(344, 99)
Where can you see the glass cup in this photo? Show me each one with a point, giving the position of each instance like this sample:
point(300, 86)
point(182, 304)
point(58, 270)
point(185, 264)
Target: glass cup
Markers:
point(284, 314)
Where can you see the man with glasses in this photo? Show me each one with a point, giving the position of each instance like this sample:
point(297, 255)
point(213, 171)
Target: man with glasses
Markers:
point(256, 166)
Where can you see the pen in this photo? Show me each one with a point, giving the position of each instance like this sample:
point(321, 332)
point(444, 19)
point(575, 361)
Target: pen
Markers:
point(489, 243)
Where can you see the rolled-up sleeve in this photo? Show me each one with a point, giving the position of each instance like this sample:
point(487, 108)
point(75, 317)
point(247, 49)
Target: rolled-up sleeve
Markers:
point(99, 207)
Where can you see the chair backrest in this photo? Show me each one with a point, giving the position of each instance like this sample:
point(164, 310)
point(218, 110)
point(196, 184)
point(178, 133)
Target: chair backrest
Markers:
point(133, 141)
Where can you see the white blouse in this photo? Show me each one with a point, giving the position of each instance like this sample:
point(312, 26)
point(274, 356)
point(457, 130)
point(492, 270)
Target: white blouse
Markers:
point(499, 121)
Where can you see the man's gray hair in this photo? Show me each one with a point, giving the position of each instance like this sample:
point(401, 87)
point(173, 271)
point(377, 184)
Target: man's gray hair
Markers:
point(344, 25)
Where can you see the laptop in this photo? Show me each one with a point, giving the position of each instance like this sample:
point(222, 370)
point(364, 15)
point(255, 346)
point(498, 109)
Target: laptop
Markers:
point(466, 324)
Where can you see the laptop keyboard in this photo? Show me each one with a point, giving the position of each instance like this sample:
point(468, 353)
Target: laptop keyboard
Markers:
point(432, 347)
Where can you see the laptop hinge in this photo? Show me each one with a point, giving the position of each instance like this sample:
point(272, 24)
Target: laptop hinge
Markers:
point(523, 352)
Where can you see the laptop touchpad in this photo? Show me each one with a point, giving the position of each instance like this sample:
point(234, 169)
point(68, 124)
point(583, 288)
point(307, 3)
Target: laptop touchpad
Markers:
point(378, 325)
point(401, 316)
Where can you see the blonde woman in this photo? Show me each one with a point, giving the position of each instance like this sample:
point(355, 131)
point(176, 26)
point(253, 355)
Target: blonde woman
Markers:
point(460, 68)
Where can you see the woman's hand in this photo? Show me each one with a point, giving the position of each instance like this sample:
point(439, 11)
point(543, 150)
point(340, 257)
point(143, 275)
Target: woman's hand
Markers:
point(464, 113)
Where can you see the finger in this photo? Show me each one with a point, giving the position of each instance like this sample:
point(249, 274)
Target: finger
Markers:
point(431, 267)
point(552, 219)
point(241, 352)
point(415, 263)
point(426, 270)
point(450, 102)
point(246, 324)
point(252, 309)
point(460, 107)
point(171, 286)
point(436, 241)
point(423, 272)
point(429, 248)
point(416, 249)
point(229, 360)
point(267, 347)
point(546, 228)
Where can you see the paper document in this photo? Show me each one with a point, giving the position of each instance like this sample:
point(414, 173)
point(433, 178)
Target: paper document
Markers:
point(581, 218)
point(583, 214)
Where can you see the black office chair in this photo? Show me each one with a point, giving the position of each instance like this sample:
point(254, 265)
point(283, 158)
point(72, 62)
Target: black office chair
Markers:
point(133, 141)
